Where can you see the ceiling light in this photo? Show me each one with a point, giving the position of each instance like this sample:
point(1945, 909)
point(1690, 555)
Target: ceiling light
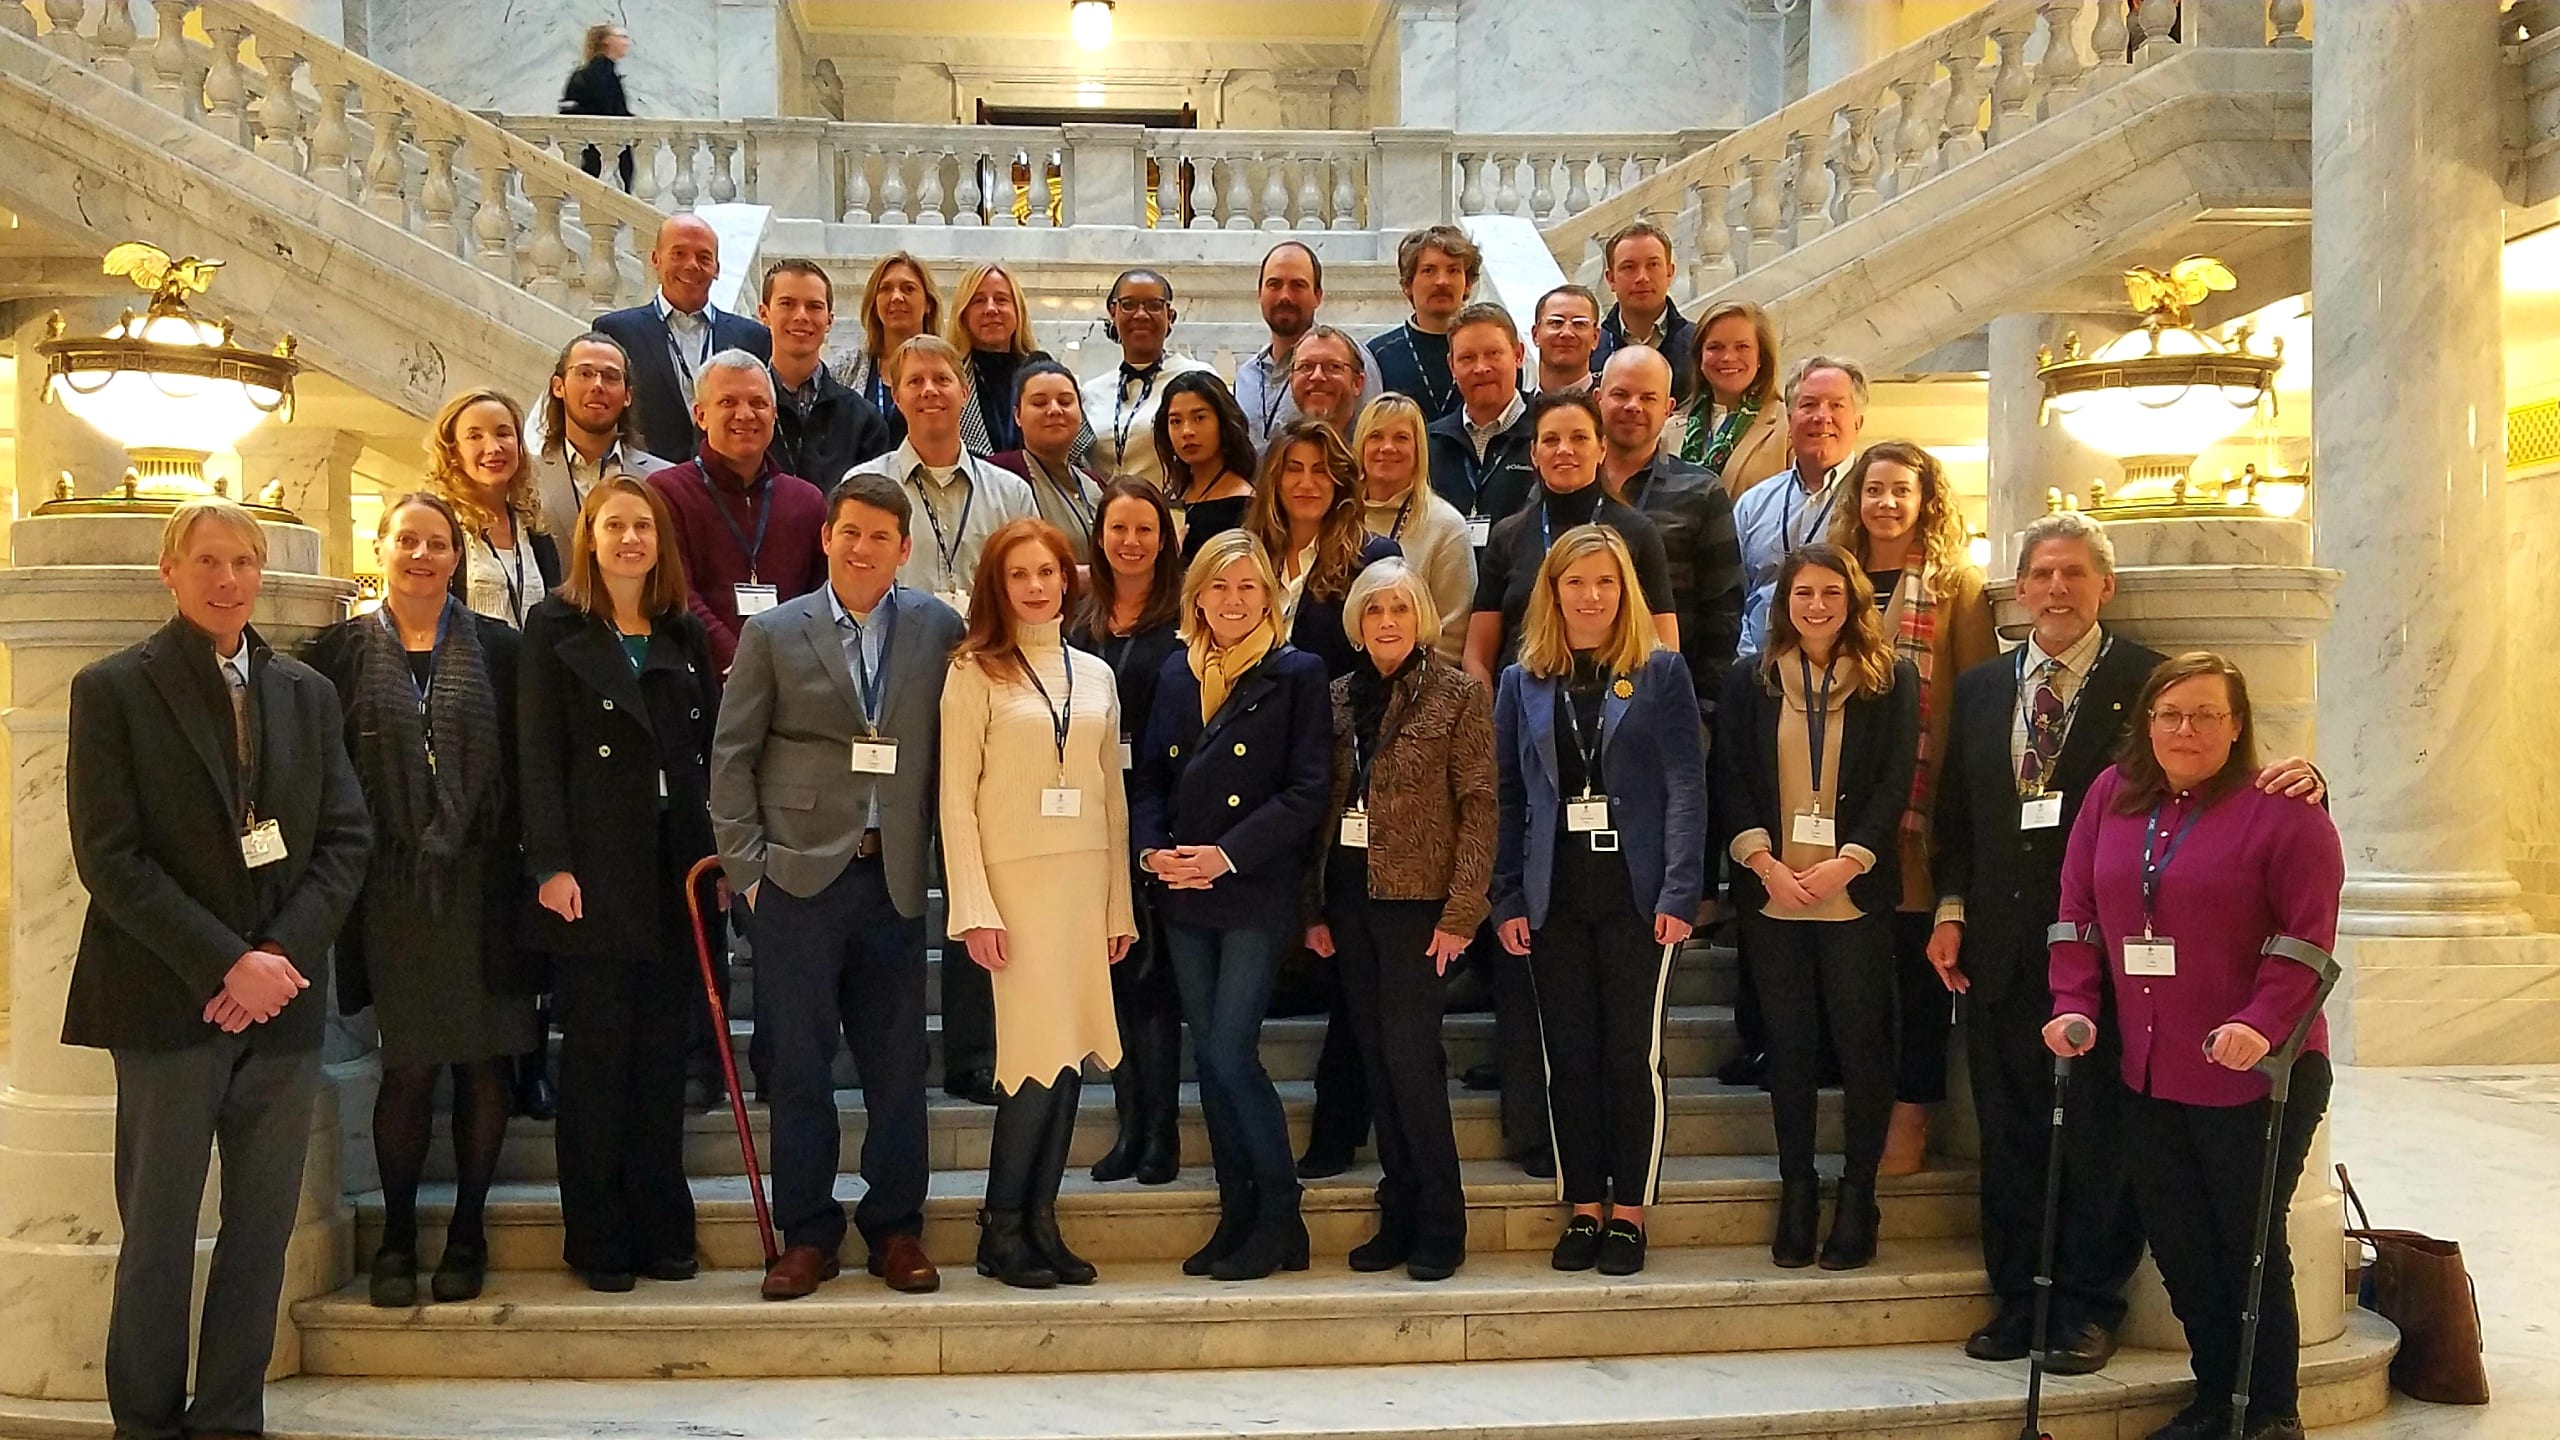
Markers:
point(1090, 22)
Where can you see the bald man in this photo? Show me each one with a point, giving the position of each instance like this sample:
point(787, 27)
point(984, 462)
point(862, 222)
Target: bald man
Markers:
point(1686, 503)
point(674, 336)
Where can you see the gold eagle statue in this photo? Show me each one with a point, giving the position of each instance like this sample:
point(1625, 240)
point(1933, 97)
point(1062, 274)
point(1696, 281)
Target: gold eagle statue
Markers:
point(169, 281)
point(2165, 298)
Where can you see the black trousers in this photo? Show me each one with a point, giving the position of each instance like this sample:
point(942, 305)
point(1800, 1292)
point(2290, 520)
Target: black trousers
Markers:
point(1519, 1048)
point(1924, 1013)
point(624, 1024)
point(1840, 971)
point(1340, 1124)
point(2097, 1235)
point(592, 162)
point(1601, 982)
point(844, 963)
point(1146, 1089)
point(1393, 997)
point(2195, 1171)
point(968, 1016)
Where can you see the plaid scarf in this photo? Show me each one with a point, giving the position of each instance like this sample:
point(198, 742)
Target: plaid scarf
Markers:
point(1916, 640)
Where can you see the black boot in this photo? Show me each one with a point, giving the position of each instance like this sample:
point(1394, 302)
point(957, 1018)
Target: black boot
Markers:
point(1159, 1101)
point(1235, 1221)
point(1799, 1215)
point(1040, 1217)
point(1389, 1248)
point(1005, 1254)
point(1278, 1240)
point(1853, 1227)
point(1121, 1160)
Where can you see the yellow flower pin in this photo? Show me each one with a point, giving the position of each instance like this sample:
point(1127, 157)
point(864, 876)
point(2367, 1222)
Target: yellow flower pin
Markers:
point(1626, 689)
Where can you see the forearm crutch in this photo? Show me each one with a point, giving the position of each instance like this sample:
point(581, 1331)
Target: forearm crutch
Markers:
point(693, 880)
point(2278, 1068)
point(2076, 1036)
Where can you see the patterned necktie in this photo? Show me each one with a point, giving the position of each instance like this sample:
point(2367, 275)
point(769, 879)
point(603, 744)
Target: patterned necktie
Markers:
point(2044, 732)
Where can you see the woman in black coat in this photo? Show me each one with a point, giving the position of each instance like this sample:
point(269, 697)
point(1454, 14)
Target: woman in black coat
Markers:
point(595, 88)
point(1230, 783)
point(429, 693)
point(616, 708)
point(1131, 619)
point(1815, 742)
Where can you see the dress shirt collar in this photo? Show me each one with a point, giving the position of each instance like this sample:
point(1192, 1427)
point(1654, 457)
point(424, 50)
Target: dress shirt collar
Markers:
point(905, 464)
point(1482, 435)
point(846, 619)
point(2075, 659)
point(235, 666)
point(674, 318)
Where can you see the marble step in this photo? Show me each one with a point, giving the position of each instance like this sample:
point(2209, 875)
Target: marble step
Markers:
point(546, 1324)
point(1704, 1200)
point(1705, 1118)
point(1903, 1391)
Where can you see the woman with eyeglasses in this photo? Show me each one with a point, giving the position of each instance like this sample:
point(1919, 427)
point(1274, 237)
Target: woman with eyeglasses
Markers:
point(2201, 907)
point(1122, 402)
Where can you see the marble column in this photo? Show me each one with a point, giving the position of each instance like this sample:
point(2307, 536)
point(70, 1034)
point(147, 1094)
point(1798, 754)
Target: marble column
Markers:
point(1426, 77)
point(1848, 36)
point(78, 588)
point(2029, 458)
point(318, 467)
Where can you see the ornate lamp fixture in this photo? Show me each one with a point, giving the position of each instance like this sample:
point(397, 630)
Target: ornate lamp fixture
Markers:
point(168, 387)
point(2157, 397)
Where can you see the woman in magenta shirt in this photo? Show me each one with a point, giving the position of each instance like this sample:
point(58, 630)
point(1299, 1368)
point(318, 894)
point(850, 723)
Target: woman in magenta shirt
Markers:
point(2178, 873)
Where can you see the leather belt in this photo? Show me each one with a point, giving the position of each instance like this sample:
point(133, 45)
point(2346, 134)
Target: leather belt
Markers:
point(868, 847)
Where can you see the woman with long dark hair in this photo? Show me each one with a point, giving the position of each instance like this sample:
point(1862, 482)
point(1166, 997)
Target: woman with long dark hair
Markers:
point(1207, 454)
point(1306, 511)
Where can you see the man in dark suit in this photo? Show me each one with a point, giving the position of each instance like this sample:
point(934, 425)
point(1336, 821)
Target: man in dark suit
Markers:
point(2031, 729)
point(834, 874)
point(672, 337)
point(217, 825)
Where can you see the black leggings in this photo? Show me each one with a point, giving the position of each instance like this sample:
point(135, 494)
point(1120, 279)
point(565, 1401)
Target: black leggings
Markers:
point(404, 1123)
point(1807, 970)
point(1925, 1012)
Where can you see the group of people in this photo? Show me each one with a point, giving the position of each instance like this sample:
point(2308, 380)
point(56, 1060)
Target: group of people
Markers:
point(1411, 656)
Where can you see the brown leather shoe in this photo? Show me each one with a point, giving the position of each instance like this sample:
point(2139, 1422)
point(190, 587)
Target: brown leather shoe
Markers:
point(902, 1262)
point(799, 1271)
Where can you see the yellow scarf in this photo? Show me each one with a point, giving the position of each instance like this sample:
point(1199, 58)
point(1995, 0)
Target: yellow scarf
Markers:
point(1218, 668)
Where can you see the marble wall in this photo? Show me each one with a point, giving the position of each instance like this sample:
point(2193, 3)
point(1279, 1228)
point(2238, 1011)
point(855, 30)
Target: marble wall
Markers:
point(688, 57)
point(1544, 65)
point(2533, 609)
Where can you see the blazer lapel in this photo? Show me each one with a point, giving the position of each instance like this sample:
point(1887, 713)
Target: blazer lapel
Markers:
point(190, 697)
point(594, 654)
point(1248, 692)
point(1613, 707)
point(2097, 724)
point(1541, 708)
point(818, 627)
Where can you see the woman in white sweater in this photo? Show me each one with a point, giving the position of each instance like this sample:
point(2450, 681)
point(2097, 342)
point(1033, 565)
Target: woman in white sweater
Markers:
point(1035, 827)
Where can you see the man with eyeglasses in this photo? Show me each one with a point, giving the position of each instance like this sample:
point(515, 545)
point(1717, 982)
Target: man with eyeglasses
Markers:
point(1567, 328)
point(1121, 404)
point(587, 428)
point(1290, 288)
point(1329, 379)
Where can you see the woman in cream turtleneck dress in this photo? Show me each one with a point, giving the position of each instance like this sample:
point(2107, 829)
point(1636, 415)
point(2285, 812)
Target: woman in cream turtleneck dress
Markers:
point(1035, 832)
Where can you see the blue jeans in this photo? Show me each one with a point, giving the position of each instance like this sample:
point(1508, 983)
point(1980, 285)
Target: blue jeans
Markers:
point(1225, 977)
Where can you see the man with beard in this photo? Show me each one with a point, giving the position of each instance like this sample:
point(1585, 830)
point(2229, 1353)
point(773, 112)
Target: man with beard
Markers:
point(587, 429)
point(1291, 287)
point(1438, 268)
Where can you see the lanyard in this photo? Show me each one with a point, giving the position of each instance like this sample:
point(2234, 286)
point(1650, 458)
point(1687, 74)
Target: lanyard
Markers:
point(867, 679)
point(1593, 755)
point(1436, 400)
point(763, 514)
point(1476, 465)
point(1360, 764)
point(1403, 512)
point(1817, 721)
point(1124, 416)
point(513, 575)
point(688, 367)
point(444, 618)
point(878, 385)
point(1059, 718)
point(2152, 871)
point(1070, 489)
point(2062, 726)
point(1275, 393)
point(948, 550)
point(1787, 539)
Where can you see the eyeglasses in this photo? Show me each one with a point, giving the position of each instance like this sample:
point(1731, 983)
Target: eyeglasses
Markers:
point(593, 374)
point(1141, 307)
point(2174, 721)
point(1576, 325)
point(1322, 367)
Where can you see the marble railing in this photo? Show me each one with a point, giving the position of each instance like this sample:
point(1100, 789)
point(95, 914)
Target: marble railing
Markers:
point(367, 136)
point(1556, 177)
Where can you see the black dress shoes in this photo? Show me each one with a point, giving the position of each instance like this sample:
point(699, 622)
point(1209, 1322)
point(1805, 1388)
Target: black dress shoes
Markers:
point(2080, 1348)
point(2006, 1336)
point(1323, 1164)
point(1621, 1248)
point(978, 1087)
point(2203, 1419)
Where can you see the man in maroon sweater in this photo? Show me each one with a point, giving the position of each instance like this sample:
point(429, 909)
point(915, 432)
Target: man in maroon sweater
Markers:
point(748, 532)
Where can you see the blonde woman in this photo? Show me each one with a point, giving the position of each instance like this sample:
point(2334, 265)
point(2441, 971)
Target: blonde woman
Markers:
point(1035, 844)
point(1392, 447)
point(477, 463)
point(1306, 512)
point(1902, 527)
point(1598, 873)
point(1730, 425)
point(1814, 744)
point(990, 325)
point(899, 303)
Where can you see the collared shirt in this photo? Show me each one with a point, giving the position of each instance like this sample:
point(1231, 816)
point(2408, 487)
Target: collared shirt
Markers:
point(1262, 391)
point(584, 477)
point(235, 667)
point(689, 335)
point(803, 395)
point(958, 507)
point(2071, 671)
point(1770, 520)
point(866, 650)
point(1583, 386)
point(1481, 436)
point(1121, 407)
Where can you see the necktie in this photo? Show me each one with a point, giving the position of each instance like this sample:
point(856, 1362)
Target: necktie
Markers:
point(2044, 732)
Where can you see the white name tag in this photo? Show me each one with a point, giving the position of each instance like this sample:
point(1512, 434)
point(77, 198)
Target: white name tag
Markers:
point(2151, 957)
point(756, 599)
point(1355, 829)
point(2043, 812)
point(1062, 802)
point(262, 844)
point(1128, 755)
point(1584, 816)
point(1812, 829)
point(875, 757)
point(1479, 530)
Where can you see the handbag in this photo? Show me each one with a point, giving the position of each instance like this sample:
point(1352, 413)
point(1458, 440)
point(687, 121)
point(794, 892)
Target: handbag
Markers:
point(2418, 1283)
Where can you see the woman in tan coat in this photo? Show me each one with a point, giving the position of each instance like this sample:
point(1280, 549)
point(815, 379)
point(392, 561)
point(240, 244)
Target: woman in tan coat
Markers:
point(1035, 845)
point(1905, 533)
point(1734, 425)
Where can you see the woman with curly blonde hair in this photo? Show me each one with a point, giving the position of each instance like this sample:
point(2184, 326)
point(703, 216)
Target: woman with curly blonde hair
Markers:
point(478, 464)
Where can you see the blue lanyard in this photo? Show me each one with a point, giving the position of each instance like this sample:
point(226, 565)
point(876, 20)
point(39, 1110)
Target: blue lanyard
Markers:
point(866, 679)
point(2152, 871)
point(1594, 755)
point(1438, 401)
point(763, 514)
point(879, 388)
point(948, 553)
point(1059, 718)
point(1787, 513)
point(689, 368)
point(1817, 721)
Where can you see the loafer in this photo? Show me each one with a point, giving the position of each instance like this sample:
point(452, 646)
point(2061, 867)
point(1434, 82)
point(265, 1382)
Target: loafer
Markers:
point(2081, 1348)
point(1435, 1259)
point(394, 1281)
point(902, 1262)
point(2008, 1335)
point(684, 1269)
point(1578, 1248)
point(1621, 1248)
point(799, 1271)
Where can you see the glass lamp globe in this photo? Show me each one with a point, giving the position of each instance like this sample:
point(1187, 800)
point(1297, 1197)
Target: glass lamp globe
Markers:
point(164, 410)
point(2180, 419)
point(1089, 21)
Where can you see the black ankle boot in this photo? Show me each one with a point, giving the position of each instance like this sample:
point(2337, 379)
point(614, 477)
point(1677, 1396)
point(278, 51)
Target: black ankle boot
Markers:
point(1160, 1122)
point(1005, 1254)
point(1389, 1248)
point(1278, 1241)
point(1799, 1216)
point(1853, 1228)
point(1235, 1221)
point(1121, 1160)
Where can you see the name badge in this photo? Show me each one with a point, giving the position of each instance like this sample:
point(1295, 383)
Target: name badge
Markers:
point(875, 757)
point(262, 844)
point(956, 599)
point(1584, 816)
point(1811, 829)
point(1479, 531)
point(2042, 812)
point(1604, 842)
point(1128, 755)
point(1062, 802)
point(1355, 829)
point(756, 599)
point(2158, 956)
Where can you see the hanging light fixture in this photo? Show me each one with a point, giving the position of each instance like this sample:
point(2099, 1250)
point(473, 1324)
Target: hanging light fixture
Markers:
point(2157, 397)
point(168, 387)
point(1090, 22)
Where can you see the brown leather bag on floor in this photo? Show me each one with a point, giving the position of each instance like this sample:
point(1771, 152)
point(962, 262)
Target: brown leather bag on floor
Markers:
point(2418, 1283)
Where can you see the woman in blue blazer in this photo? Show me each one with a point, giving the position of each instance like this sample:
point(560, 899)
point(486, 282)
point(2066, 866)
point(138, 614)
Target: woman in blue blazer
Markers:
point(1229, 784)
point(1598, 873)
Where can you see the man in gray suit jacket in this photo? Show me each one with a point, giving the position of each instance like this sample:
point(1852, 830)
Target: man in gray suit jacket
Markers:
point(822, 795)
point(587, 430)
